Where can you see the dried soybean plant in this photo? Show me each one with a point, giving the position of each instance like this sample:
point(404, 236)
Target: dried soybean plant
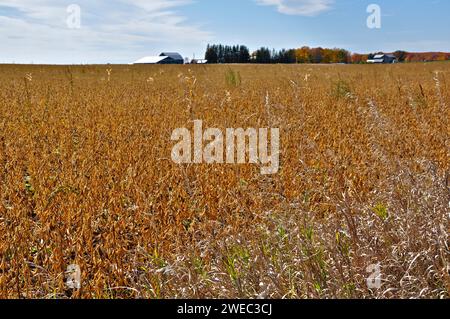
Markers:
point(86, 179)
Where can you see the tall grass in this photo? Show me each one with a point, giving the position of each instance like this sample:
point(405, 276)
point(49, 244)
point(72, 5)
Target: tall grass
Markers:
point(86, 179)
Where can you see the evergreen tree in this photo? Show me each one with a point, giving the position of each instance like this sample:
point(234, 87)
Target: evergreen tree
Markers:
point(227, 54)
point(263, 55)
point(211, 54)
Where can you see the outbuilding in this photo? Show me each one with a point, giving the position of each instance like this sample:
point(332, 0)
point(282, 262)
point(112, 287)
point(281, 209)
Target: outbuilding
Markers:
point(383, 59)
point(163, 58)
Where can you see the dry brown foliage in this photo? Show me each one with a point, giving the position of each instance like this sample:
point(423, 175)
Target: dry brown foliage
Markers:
point(86, 178)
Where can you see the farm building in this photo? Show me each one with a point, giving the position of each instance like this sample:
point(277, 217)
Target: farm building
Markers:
point(163, 58)
point(383, 59)
point(199, 61)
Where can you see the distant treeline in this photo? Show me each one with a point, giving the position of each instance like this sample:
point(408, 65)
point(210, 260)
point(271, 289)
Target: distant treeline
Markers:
point(403, 56)
point(241, 54)
point(219, 53)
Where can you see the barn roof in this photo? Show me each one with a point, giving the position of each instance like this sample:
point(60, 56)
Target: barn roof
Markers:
point(381, 56)
point(172, 55)
point(150, 60)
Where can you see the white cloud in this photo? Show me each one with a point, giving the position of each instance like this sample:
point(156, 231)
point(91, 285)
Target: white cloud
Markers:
point(299, 7)
point(116, 31)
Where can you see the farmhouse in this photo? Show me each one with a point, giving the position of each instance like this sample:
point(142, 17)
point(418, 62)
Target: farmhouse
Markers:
point(383, 59)
point(163, 58)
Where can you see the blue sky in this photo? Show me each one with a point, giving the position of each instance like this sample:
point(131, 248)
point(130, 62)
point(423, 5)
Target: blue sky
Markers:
point(122, 31)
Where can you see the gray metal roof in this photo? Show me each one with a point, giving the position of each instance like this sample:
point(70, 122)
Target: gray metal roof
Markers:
point(381, 56)
point(172, 55)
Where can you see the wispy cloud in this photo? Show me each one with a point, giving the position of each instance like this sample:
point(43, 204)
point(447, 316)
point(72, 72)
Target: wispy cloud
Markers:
point(124, 29)
point(299, 7)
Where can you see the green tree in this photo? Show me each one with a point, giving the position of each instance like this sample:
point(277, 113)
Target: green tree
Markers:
point(211, 54)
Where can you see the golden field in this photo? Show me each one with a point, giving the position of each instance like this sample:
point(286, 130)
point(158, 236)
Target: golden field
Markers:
point(86, 178)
